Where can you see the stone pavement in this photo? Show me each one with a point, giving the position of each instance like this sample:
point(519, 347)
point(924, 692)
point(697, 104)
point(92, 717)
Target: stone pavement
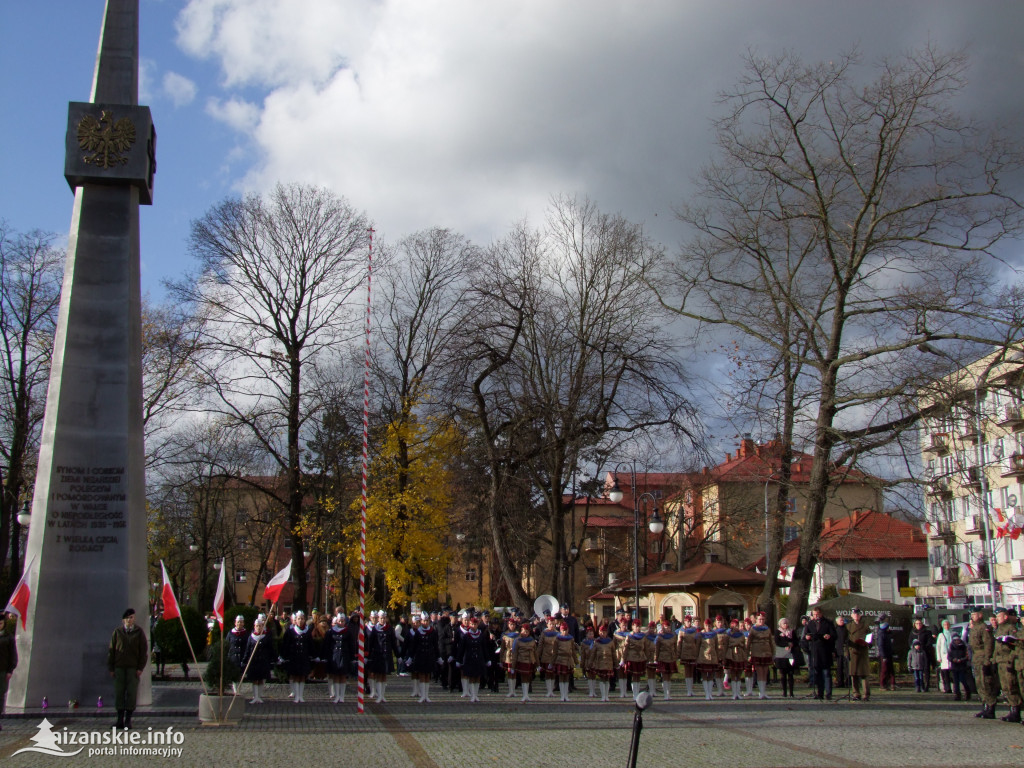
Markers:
point(894, 729)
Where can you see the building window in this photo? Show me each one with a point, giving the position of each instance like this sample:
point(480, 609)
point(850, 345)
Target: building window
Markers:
point(791, 532)
point(656, 547)
point(902, 580)
point(240, 575)
point(855, 582)
point(471, 574)
point(243, 542)
point(287, 542)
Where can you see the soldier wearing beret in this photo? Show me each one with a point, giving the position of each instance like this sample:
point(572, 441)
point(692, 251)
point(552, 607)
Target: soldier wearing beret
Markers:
point(8, 658)
point(126, 658)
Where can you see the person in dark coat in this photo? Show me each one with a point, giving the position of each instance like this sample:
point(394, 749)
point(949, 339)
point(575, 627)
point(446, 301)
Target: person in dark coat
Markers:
point(236, 642)
point(474, 658)
point(445, 641)
point(424, 655)
point(258, 658)
point(842, 654)
point(340, 650)
point(381, 646)
point(921, 634)
point(820, 635)
point(296, 649)
point(786, 645)
point(957, 655)
point(8, 658)
point(886, 652)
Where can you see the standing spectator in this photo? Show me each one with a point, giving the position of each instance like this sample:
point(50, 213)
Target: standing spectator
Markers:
point(942, 641)
point(785, 661)
point(237, 639)
point(924, 636)
point(820, 634)
point(857, 632)
point(842, 654)
point(886, 667)
point(956, 658)
point(917, 662)
point(8, 658)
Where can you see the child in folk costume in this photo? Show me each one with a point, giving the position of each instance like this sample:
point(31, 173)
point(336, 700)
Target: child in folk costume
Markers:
point(296, 651)
point(423, 655)
point(381, 647)
point(505, 655)
point(524, 658)
point(635, 655)
point(708, 660)
point(258, 658)
point(665, 657)
point(548, 645)
point(474, 657)
point(722, 675)
point(761, 649)
point(620, 640)
point(565, 659)
point(687, 646)
point(586, 663)
point(604, 660)
point(340, 651)
point(736, 657)
point(652, 667)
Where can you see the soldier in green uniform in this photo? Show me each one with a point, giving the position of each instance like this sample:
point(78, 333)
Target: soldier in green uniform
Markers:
point(1005, 658)
point(980, 640)
point(1019, 659)
point(126, 659)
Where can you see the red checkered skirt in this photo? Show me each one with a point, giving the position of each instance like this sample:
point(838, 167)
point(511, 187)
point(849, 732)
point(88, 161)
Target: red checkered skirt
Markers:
point(667, 667)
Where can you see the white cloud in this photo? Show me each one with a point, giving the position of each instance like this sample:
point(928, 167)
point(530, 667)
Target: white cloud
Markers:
point(179, 89)
point(240, 115)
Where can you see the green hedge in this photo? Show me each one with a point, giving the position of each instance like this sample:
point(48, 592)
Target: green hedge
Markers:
point(168, 635)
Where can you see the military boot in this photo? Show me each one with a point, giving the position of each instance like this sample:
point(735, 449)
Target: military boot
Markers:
point(1013, 716)
point(990, 712)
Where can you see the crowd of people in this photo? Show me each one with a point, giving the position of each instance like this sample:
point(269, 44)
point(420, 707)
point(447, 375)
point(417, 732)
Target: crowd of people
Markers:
point(467, 650)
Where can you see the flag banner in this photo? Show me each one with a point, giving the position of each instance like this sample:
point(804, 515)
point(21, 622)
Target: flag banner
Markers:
point(218, 600)
point(171, 610)
point(275, 586)
point(18, 604)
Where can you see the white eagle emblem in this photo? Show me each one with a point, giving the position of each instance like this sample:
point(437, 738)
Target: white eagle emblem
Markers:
point(108, 141)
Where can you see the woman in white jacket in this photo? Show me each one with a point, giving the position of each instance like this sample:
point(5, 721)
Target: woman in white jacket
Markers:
point(942, 641)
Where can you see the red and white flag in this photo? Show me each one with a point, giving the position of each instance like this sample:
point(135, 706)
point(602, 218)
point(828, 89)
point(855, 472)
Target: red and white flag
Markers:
point(18, 604)
point(999, 515)
point(275, 586)
point(171, 610)
point(218, 599)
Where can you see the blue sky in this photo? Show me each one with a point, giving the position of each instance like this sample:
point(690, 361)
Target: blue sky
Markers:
point(459, 113)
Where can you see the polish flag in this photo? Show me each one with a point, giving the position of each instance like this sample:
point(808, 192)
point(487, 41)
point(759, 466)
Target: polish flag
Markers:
point(275, 586)
point(927, 527)
point(999, 515)
point(18, 604)
point(218, 599)
point(171, 610)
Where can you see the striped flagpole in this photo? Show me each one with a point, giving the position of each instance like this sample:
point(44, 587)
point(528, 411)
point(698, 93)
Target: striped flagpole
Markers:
point(361, 690)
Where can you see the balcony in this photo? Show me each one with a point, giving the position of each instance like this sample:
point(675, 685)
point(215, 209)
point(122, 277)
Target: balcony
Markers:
point(971, 477)
point(1016, 466)
point(945, 576)
point(940, 487)
point(1012, 417)
point(593, 544)
point(938, 443)
point(1017, 569)
point(973, 523)
point(593, 580)
point(940, 531)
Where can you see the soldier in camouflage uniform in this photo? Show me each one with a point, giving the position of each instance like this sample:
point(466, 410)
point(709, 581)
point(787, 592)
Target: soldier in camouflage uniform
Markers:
point(1019, 659)
point(980, 640)
point(1005, 658)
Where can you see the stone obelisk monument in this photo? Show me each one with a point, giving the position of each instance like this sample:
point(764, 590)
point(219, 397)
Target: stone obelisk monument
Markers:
point(86, 555)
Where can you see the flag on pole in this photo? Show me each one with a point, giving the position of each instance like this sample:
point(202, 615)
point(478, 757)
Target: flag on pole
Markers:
point(275, 586)
point(999, 515)
point(18, 604)
point(171, 610)
point(218, 600)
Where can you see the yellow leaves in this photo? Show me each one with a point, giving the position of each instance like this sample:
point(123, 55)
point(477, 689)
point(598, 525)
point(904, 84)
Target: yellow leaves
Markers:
point(409, 496)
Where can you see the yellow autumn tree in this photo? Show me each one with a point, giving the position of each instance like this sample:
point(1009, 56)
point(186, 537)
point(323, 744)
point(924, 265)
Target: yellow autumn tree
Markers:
point(409, 496)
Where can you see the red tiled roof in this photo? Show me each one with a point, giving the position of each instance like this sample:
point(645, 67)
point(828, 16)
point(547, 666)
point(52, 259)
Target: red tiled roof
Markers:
point(696, 575)
point(864, 535)
point(609, 522)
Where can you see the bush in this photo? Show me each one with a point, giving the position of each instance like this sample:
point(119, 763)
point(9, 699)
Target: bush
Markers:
point(168, 635)
point(232, 673)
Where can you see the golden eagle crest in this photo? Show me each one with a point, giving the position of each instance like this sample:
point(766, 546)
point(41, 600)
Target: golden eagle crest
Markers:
point(108, 141)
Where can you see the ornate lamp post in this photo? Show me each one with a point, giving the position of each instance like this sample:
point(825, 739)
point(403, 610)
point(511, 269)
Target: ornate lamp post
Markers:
point(656, 525)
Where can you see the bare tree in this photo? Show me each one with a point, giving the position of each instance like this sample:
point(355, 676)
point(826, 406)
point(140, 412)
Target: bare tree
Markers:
point(873, 215)
point(582, 356)
point(276, 273)
point(31, 270)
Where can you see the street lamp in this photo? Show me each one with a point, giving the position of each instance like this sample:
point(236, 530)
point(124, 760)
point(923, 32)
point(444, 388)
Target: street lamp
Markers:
point(656, 524)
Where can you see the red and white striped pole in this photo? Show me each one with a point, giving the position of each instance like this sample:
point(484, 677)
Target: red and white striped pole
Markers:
point(361, 690)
